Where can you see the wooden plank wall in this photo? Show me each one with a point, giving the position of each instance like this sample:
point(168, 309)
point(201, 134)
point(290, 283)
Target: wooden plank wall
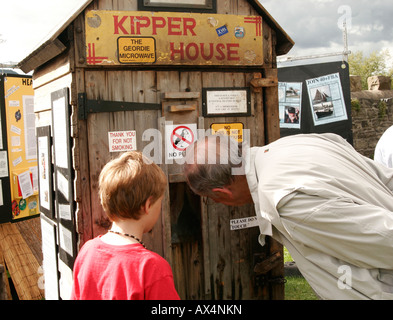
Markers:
point(133, 86)
point(212, 249)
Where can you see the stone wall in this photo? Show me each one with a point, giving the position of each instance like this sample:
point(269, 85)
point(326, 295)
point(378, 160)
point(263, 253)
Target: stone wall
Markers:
point(372, 112)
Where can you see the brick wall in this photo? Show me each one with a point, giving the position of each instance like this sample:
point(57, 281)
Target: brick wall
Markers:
point(372, 113)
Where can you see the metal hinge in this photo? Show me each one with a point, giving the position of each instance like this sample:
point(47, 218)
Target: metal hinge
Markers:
point(263, 280)
point(268, 263)
point(95, 106)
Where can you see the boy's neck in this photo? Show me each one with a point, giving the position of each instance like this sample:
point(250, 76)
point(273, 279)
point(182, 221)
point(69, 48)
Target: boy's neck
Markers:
point(131, 227)
point(128, 226)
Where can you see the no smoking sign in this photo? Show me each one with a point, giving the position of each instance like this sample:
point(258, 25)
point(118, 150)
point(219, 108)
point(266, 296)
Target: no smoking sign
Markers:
point(178, 138)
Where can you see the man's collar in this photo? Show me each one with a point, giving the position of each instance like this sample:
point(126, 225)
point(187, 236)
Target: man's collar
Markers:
point(251, 175)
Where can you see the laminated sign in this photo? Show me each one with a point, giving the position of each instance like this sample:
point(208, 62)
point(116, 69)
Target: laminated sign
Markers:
point(172, 38)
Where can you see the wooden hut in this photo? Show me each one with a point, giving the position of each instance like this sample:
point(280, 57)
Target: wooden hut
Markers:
point(131, 74)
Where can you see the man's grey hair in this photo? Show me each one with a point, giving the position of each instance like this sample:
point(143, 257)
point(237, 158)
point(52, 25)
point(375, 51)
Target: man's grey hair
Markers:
point(213, 162)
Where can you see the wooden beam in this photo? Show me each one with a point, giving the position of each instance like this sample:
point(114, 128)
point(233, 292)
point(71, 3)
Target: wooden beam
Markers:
point(264, 82)
point(182, 95)
point(45, 53)
point(182, 108)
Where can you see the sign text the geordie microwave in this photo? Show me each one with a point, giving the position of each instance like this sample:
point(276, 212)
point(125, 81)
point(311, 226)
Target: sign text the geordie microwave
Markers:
point(175, 26)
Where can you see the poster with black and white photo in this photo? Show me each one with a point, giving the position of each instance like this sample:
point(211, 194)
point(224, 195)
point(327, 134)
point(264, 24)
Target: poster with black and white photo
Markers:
point(290, 104)
point(326, 99)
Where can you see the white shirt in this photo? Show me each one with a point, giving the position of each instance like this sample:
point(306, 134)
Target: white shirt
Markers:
point(384, 150)
point(333, 210)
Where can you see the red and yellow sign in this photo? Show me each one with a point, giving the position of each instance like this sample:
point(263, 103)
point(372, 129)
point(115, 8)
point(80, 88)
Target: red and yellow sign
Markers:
point(172, 38)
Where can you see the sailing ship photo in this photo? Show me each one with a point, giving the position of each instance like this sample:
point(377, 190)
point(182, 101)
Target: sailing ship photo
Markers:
point(322, 102)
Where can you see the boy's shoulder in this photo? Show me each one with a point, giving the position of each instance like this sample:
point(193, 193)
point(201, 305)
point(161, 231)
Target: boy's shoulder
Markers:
point(91, 243)
point(156, 263)
point(153, 257)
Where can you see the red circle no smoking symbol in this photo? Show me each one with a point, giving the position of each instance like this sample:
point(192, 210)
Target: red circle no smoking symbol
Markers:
point(182, 137)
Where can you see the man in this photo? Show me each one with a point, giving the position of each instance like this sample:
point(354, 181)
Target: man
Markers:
point(328, 205)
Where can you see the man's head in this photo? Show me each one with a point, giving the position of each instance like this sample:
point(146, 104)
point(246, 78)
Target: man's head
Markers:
point(127, 182)
point(215, 168)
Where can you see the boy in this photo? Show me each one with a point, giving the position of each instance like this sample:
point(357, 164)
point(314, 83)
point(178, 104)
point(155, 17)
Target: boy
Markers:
point(117, 266)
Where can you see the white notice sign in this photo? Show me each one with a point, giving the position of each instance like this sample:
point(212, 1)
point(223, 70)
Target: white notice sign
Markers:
point(120, 141)
point(226, 102)
point(244, 223)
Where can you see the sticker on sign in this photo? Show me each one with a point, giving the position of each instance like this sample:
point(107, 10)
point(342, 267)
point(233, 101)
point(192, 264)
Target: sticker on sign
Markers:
point(120, 141)
point(136, 49)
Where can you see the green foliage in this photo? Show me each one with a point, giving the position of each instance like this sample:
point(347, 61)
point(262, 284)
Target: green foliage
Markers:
point(382, 109)
point(297, 288)
point(376, 64)
point(355, 104)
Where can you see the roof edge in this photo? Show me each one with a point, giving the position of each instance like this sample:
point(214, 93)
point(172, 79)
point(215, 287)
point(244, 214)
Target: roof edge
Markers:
point(283, 46)
point(26, 63)
point(284, 41)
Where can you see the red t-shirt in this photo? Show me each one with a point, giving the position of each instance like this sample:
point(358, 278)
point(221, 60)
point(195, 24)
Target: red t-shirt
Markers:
point(126, 272)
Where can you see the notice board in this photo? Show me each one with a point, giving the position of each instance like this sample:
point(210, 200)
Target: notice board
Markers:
point(5, 189)
point(18, 149)
point(315, 98)
point(63, 176)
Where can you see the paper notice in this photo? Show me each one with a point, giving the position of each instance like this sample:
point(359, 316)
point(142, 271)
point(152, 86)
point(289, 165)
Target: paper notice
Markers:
point(3, 164)
point(26, 187)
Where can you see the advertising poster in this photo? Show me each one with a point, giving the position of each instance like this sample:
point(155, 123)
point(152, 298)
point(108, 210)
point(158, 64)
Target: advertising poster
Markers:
point(326, 99)
point(22, 146)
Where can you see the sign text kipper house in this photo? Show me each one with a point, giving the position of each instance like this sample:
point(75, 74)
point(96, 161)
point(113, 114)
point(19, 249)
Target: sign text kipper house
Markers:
point(160, 38)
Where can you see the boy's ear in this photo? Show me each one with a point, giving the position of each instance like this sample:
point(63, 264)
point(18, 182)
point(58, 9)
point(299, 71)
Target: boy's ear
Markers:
point(146, 206)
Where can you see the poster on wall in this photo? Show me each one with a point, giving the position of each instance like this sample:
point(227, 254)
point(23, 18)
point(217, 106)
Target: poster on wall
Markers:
point(326, 99)
point(49, 251)
point(290, 102)
point(45, 171)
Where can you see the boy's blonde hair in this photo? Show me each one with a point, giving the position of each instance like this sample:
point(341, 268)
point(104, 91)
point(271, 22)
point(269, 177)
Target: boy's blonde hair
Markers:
point(126, 182)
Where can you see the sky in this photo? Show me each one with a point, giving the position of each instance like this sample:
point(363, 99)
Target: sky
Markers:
point(25, 23)
point(312, 24)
